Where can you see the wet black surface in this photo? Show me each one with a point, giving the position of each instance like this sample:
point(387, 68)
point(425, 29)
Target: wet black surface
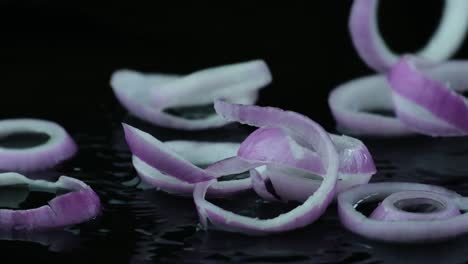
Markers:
point(141, 225)
point(57, 57)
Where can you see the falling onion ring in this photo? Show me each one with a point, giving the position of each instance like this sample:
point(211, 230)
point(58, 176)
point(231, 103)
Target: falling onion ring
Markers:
point(401, 227)
point(59, 146)
point(80, 204)
point(372, 49)
point(147, 95)
point(303, 130)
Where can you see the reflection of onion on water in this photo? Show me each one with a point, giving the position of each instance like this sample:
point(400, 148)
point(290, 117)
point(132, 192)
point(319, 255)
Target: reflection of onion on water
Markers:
point(55, 241)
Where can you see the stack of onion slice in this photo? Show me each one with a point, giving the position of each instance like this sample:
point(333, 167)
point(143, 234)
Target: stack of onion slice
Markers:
point(147, 96)
point(350, 101)
point(296, 152)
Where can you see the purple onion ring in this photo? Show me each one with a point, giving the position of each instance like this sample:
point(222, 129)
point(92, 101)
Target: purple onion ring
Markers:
point(404, 231)
point(147, 95)
point(390, 208)
point(79, 205)
point(59, 147)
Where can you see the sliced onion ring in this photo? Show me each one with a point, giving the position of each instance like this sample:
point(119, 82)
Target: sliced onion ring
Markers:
point(158, 155)
point(350, 101)
point(372, 49)
point(404, 231)
point(426, 101)
point(305, 131)
point(390, 208)
point(199, 153)
point(77, 206)
point(273, 145)
point(203, 87)
point(59, 147)
point(135, 90)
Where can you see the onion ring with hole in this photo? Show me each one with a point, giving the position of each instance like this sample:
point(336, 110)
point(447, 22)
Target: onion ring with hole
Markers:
point(404, 231)
point(59, 146)
point(220, 155)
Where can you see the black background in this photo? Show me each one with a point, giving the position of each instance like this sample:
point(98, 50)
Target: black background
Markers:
point(57, 56)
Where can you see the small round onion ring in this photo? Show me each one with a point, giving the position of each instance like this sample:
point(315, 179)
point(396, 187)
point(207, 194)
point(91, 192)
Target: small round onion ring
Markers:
point(59, 147)
point(307, 133)
point(199, 153)
point(79, 205)
point(350, 101)
point(372, 49)
point(404, 231)
point(137, 91)
point(273, 145)
point(426, 101)
point(393, 207)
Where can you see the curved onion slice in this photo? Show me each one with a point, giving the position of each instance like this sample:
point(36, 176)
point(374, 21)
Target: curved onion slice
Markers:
point(203, 87)
point(200, 153)
point(135, 91)
point(60, 146)
point(372, 49)
point(305, 131)
point(405, 231)
point(403, 206)
point(273, 145)
point(79, 205)
point(158, 155)
point(426, 101)
point(350, 101)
